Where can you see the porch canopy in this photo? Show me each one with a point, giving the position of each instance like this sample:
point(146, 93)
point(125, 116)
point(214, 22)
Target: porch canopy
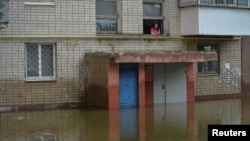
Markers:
point(151, 57)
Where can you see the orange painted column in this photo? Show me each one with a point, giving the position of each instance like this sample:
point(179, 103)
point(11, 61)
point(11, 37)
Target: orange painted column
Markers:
point(149, 84)
point(141, 81)
point(190, 100)
point(190, 82)
point(113, 86)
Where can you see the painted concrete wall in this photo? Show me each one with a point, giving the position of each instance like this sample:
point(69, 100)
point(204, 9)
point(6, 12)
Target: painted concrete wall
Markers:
point(245, 46)
point(214, 21)
point(97, 85)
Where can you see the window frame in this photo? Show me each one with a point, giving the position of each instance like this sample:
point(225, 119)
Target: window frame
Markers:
point(244, 6)
point(40, 77)
point(224, 3)
point(215, 48)
point(110, 17)
point(41, 3)
point(160, 18)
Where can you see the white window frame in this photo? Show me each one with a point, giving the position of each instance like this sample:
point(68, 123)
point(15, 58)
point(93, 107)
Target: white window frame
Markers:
point(161, 17)
point(39, 3)
point(112, 17)
point(40, 77)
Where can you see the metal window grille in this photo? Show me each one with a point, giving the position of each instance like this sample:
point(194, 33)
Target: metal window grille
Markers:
point(40, 61)
point(106, 16)
point(209, 67)
point(216, 3)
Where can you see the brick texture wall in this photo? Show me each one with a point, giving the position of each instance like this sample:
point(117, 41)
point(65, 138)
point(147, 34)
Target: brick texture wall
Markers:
point(228, 81)
point(67, 17)
point(77, 17)
point(132, 12)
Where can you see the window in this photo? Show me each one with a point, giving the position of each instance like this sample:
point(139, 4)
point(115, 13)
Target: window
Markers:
point(210, 67)
point(243, 3)
point(152, 13)
point(206, 2)
point(106, 16)
point(226, 2)
point(39, 2)
point(40, 62)
point(220, 1)
point(4, 12)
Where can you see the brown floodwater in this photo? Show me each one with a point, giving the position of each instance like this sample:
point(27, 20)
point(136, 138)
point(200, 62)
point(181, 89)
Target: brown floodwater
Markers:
point(166, 122)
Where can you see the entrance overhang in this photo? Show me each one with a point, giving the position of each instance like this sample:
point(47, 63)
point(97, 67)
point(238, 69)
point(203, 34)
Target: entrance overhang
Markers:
point(102, 80)
point(153, 57)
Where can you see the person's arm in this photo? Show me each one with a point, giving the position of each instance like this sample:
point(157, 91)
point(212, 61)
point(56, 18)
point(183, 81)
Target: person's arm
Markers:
point(153, 31)
point(158, 32)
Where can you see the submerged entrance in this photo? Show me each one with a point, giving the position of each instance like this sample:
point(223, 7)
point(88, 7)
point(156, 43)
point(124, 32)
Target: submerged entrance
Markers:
point(128, 77)
point(170, 83)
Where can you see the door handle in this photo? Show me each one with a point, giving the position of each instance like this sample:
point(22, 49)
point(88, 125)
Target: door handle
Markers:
point(163, 86)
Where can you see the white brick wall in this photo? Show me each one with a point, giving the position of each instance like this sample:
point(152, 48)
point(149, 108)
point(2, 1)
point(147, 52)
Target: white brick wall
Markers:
point(132, 13)
point(67, 17)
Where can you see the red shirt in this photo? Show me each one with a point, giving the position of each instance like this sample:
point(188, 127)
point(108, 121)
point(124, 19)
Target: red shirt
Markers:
point(155, 31)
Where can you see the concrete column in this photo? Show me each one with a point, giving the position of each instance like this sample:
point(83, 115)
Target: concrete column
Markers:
point(141, 85)
point(113, 86)
point(190, 82)
point(149, 83)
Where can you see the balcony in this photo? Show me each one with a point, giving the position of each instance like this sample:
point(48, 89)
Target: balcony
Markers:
point(215, 17)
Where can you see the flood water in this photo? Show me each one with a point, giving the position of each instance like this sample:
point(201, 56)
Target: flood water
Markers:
point(170, 122)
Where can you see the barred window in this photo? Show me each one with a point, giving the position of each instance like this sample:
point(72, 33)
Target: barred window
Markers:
point(106, 16)
point(209, 67)
point(40, 62)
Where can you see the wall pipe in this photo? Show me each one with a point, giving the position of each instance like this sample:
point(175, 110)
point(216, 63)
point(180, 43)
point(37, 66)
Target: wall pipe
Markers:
point(114, 37)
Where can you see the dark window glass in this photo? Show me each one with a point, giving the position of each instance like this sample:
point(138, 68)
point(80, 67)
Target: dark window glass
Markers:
point(209, 67)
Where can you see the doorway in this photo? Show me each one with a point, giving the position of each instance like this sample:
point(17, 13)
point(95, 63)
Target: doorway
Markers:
point(128, 77)
point(169, 83)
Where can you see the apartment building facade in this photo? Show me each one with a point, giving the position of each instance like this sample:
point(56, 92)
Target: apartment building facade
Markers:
point(99, 53)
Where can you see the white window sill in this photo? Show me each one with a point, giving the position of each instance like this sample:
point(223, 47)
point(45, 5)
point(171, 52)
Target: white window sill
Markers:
point(33, 79)
point(39, 3)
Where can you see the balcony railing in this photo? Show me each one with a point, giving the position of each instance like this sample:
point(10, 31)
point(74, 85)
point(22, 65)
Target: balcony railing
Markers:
point(216, 3)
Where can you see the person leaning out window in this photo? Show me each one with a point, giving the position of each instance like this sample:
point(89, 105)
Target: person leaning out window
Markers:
point(155, 30)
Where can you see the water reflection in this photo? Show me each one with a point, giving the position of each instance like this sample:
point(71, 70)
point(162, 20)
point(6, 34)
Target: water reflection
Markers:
point(170, 122)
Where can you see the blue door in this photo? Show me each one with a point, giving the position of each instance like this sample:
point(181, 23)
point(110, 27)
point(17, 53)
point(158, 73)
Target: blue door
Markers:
point(128, 85)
